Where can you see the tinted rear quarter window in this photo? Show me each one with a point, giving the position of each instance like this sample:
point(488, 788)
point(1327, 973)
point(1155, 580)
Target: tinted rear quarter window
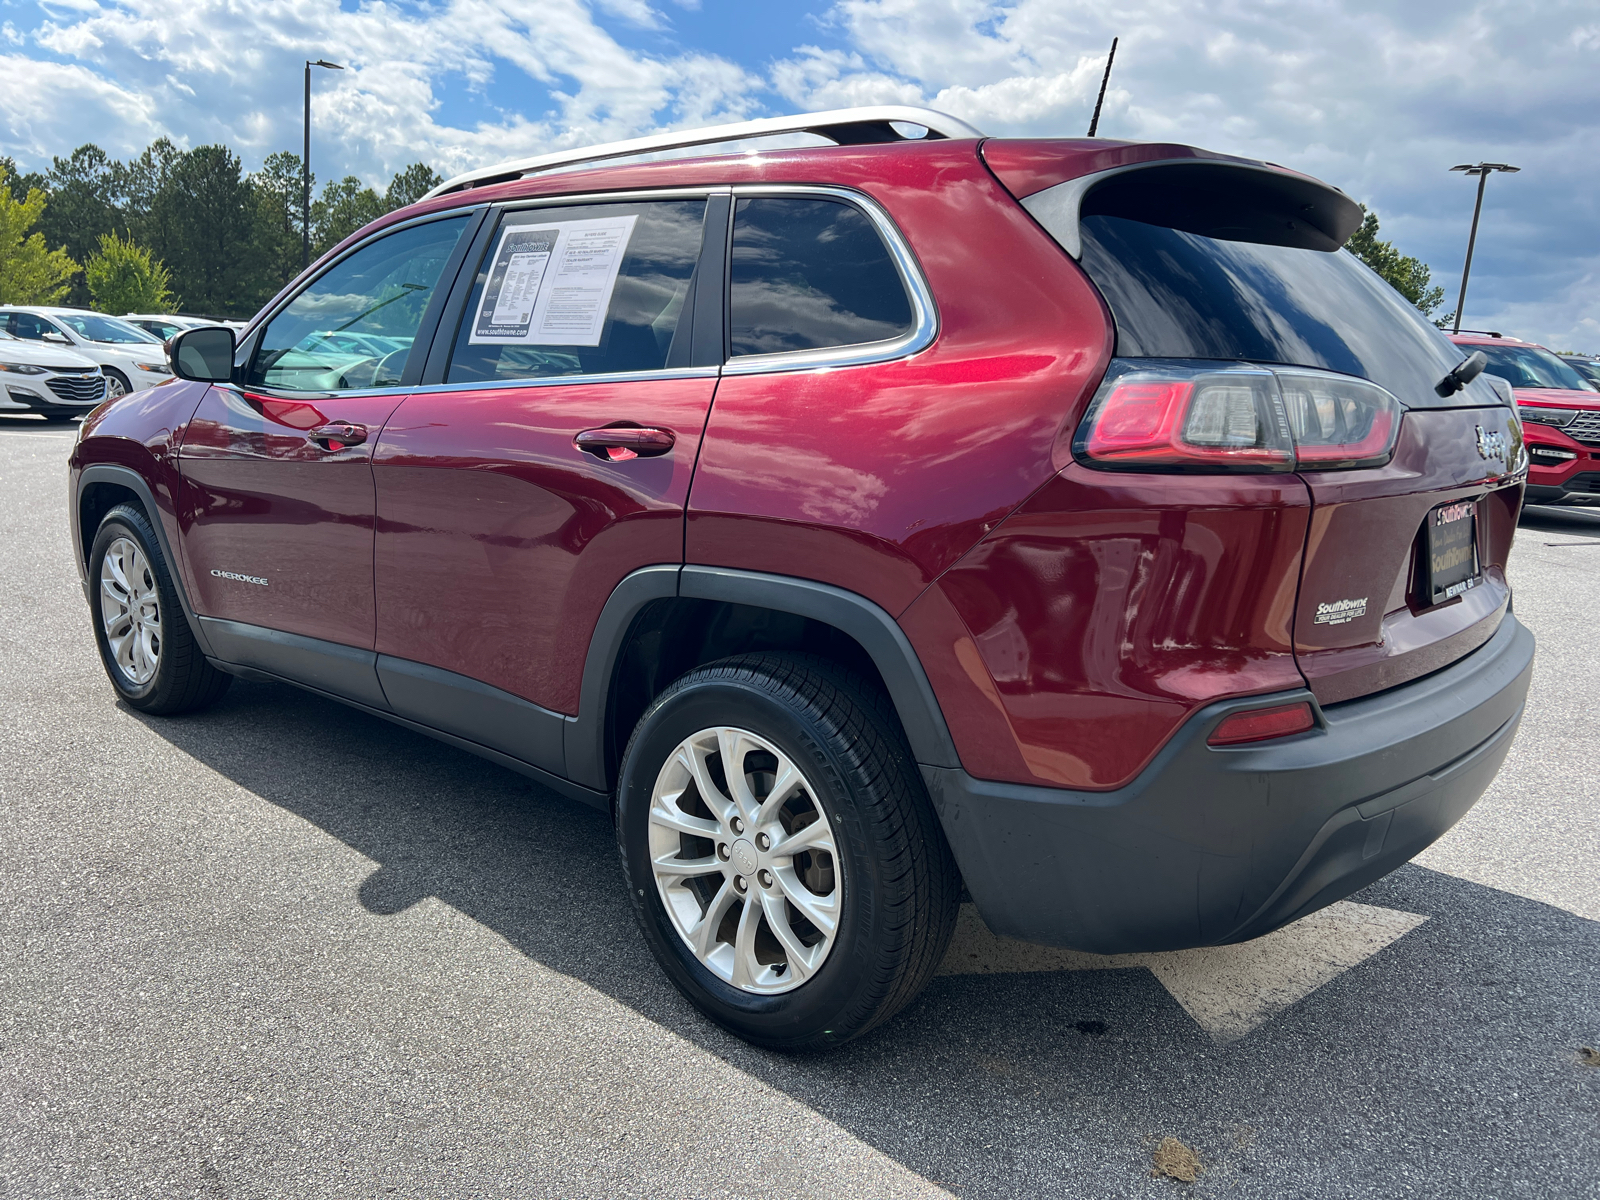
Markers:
point(810, 273)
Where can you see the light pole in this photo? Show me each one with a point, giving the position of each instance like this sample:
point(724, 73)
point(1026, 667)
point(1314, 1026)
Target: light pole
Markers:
point(306, 165)
point(1482, 171)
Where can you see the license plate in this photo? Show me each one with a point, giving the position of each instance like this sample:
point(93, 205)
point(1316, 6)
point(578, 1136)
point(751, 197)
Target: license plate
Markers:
point(1451, 551)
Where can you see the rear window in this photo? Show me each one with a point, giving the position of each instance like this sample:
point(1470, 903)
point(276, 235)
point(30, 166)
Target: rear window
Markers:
point(1182, 295)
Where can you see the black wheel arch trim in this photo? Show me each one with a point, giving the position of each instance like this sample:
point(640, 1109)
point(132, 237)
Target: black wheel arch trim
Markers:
point(127, 477)
point(852, 614)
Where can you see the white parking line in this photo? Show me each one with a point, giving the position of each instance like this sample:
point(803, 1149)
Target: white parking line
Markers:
point(1228, 990)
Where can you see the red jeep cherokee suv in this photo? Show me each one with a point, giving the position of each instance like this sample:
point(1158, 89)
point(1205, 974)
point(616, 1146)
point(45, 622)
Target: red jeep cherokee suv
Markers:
point(1560, 412)
point(1071, 520)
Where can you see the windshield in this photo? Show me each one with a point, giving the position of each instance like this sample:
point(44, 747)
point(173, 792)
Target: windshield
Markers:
point(1531, 367)
point(1182, 295)
point(95, 328)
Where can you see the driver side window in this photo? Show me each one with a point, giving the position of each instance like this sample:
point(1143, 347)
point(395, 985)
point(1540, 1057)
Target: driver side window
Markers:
point(353, 328)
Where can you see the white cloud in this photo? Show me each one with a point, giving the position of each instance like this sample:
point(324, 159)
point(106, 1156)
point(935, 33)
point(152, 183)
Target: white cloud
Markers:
point(1378, 98)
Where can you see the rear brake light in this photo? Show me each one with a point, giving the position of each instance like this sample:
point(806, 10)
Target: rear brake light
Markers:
point(1155, 416)
point(1259, 724)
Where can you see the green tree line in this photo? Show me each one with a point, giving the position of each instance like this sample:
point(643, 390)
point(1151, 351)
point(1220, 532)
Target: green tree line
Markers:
point(190, 227)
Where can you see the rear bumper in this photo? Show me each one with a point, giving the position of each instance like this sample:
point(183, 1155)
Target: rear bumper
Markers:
point(1214, 845)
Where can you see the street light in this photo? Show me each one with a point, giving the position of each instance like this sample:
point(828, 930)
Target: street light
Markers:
point(1482, 171)
point(306, 165)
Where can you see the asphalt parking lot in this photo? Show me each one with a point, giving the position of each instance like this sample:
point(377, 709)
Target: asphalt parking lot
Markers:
point(281, 948)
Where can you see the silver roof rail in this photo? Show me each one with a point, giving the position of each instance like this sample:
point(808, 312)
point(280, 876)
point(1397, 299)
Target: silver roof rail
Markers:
point(846, 126)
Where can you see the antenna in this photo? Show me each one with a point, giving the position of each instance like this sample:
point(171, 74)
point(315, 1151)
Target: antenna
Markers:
point(1094, 124)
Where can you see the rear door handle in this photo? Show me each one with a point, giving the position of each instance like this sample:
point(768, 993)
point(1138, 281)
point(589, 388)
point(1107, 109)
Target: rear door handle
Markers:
point(336, 435)
point(619, 444)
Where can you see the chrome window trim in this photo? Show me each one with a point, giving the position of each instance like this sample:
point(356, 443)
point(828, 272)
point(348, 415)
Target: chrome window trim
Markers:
point(481, 385)
point(924, 312)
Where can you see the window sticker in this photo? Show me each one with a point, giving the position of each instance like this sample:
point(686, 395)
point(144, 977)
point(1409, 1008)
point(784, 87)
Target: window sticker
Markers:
point(551, 285)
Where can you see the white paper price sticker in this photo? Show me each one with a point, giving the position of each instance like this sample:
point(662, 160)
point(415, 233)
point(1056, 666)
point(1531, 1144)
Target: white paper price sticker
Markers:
point(551, 285)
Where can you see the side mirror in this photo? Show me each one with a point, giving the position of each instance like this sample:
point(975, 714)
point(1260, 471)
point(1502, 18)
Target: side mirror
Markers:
point(203, 355)
point(59, 339)
point(1463, 373)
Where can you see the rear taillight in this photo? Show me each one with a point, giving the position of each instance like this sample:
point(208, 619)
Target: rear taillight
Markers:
point(1259, 724)
point(1175, 416)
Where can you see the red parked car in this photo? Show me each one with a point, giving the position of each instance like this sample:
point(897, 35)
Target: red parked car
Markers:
point(1560, 410)
point(1070, 520)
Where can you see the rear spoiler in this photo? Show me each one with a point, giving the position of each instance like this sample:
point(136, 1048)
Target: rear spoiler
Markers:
point(1230, 199)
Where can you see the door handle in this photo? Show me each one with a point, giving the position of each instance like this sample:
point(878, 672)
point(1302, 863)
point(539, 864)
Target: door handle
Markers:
point(619, 444)
point(336, 435)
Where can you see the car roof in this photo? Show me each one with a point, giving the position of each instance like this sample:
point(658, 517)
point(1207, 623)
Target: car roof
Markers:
point(1465, 338)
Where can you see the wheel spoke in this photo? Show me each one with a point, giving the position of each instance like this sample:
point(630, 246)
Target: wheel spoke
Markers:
point(670, 816)
point(815, 836)
point(119, 574)
point(746, 970)
point(693, 759)
point(821, 911)
point(734, 744)
point(671, 867)
point(703, 937)
point(788, 782)
point(798, 954)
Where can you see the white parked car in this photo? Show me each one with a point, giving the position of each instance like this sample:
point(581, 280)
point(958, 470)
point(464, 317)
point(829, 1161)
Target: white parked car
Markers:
point(164, 325)
point(58, 384)
point(130, 358)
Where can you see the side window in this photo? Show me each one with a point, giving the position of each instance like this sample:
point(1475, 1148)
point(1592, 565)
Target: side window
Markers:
point(809, 273)
point(353, 327)
point(588, 289)
point(29, 326)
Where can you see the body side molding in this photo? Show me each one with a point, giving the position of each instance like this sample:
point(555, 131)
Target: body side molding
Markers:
point(345, 672)
point(466, 708)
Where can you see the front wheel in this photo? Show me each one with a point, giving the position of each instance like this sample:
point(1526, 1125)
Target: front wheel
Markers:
point(116, 383)
point(145, 643)
point(784, 862)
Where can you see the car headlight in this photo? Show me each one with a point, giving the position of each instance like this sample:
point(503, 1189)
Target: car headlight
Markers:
point(23, 368)
point(154, 368)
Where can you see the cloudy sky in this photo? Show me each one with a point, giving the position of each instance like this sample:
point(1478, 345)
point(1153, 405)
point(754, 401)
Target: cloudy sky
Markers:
point(1378, 98)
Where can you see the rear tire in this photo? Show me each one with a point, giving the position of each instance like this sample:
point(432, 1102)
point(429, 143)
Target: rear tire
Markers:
point(146, 645)
point(884, 893)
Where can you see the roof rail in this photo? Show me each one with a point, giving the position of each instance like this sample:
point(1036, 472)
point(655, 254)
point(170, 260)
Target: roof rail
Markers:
point(1481, 332)
point(846, 126)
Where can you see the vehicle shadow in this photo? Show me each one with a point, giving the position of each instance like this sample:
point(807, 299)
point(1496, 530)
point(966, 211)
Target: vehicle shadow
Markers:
point(984, 1083)
point(1563, 519)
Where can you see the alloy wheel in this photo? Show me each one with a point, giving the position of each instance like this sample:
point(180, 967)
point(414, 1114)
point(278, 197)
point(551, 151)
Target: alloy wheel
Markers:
point(130, 610)
point(745, 860)
point(115, 387)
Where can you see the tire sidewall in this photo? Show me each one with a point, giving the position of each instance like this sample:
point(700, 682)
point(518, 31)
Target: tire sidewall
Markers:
point(805, 1014)
point(124, 524)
